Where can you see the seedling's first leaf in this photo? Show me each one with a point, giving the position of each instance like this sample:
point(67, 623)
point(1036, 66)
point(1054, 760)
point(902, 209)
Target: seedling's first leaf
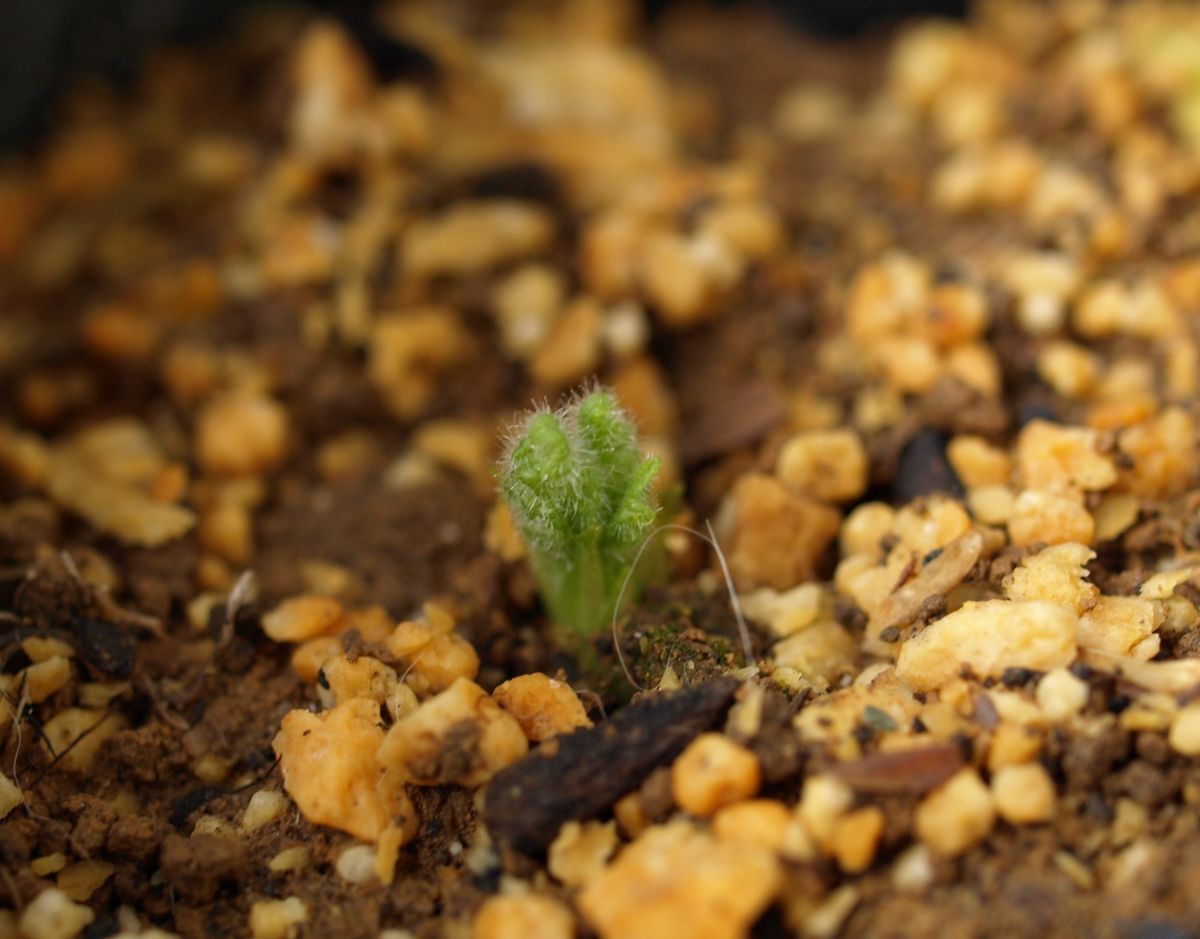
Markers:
point(579, 490)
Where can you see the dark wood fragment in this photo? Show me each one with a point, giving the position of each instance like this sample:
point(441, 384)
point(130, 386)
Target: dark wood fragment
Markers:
point(1155, 929)
point(107, 648)
point(393, 58)
point(905, 771)
point(924, 469)
point(986, 715)
point(527, 180)
point(1017, 677)
point(196, 867)
point(953, 407)
point(184, 805)
point(732, 417)
point(581, 774)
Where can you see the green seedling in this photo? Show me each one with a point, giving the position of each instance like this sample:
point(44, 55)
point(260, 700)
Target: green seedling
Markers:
point(579, 490)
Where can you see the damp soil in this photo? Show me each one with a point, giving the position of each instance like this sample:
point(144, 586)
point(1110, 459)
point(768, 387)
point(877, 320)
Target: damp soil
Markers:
point(222, 694)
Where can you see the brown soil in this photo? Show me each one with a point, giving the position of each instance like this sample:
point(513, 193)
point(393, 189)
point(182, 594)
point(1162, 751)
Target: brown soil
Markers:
point(221, 694)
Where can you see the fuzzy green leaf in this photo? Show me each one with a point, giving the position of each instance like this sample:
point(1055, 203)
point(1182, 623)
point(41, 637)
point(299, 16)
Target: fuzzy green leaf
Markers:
point(580, 492)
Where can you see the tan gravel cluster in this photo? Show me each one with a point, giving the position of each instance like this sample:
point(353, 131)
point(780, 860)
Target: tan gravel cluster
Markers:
point(342, 768)
point(700, 886)
point(1013, 289)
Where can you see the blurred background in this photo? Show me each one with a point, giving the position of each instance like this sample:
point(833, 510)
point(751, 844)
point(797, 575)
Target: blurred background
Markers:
point(45, 45)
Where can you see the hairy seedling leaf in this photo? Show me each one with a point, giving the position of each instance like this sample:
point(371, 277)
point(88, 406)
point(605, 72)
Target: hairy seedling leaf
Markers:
point(580, 492)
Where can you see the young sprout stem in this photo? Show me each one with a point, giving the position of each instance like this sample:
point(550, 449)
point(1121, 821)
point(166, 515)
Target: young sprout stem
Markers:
point(580, 493)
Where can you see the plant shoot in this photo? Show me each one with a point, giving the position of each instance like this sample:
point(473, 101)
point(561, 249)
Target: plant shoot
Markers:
point(579, 490)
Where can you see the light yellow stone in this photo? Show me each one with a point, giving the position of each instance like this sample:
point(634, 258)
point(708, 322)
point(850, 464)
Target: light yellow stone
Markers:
point(302, 618)
point(331, 770)
point(867, 582)
point(910, 365)
point(682, 275)
point(70, 724)
point(1069, 369)
point(543, 706)
point(763, 822)
point(752, 229)
point(274, 919)
point(416, 745)
point(1129, 822)
point(856, 837)
point(525, 304)
point(241, 434)
point(387, 852)
point(580, 850)
point(828, 464)
point(1170, 676)
point(41, 648)
point(294, 858)
point(811, 111)
point(356, 864)
point(500, 534)
point(434, 654)
point(365, 677)
point(10, 796)
point(957, 815)
point(1079, 873)
point(409, 350)
point(832, 718)
point(111, 502)
point(1012, 745)
point(1184, 736)
point(976, 366)
point(822, 651)
point(473, 236)
point(1050, 516)
point(212, 768)
point(522, 916)
point(1122, 626)
point(913, 871)
point(631, 815)
point(464, 446)
point(824, 800)
point(1151, 710)
point(932, 522)
point(52, 915)
point(825, 918)
point(1023, 795)
point(83, 878)
point(1014, 707)
point(989, 637)
point(1061, 695)
point(939, 577)
point(1057, 574)
point(713, 772)
point(574, 347)
point(775, 536)
point(48, 864)
point(264, 807)
point(977, 463)
point(992, 505)
point(26, 456)
point(888, 296)
point(216, 825)
point(785, 612)
point(865, 527)
point(1163, 451)
point(1110, 308)
point(1162, 585)
point(101, 694)
point(676, 881)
